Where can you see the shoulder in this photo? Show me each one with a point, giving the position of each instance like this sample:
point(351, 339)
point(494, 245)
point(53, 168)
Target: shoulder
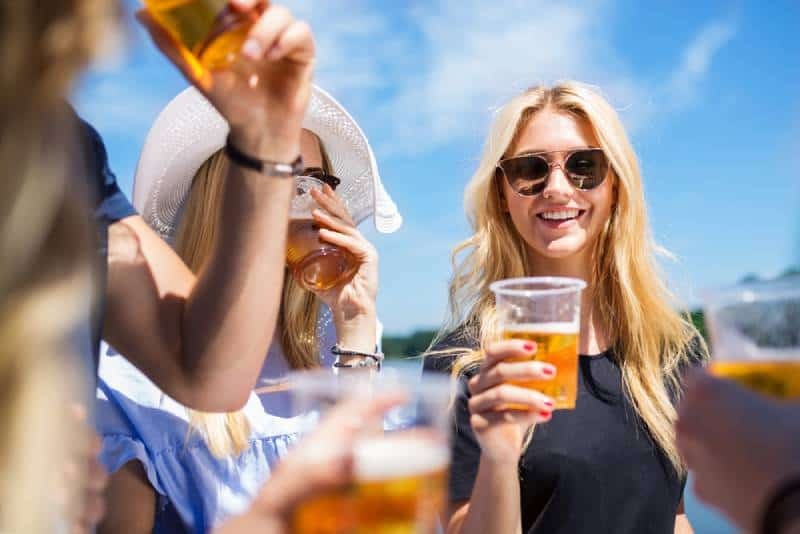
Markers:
point(110, 202)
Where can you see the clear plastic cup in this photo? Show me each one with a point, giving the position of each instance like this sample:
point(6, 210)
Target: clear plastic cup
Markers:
point(546, 310)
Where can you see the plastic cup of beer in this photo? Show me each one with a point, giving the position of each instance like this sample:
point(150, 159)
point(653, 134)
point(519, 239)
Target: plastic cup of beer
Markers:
point(545, 310)
point(755, 335)
point(400, 465)
point(208, 33)
point(315, 264)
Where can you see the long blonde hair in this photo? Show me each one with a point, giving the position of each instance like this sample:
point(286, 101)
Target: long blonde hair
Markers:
point(228, 434)
point(650, 338)
point(45, 251)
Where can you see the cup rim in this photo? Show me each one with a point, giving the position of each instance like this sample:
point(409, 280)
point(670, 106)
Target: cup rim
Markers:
point(563, 285)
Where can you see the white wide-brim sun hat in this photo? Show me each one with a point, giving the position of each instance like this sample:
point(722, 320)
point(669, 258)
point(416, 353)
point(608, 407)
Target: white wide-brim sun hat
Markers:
point(189, 130)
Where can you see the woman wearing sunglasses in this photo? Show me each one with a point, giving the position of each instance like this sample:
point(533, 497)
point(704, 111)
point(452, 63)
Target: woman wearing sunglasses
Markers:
point(558, 192)
point(174, 469)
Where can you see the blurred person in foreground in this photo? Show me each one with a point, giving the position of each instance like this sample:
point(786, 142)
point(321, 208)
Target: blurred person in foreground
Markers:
point(45, 244)
point(744, 452)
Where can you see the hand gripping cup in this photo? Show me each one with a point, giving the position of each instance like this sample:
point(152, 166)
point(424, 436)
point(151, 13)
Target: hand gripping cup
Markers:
point(755, 335)
point(400, 468)
point(209, 34)
point(315, 264)
point(545, 310)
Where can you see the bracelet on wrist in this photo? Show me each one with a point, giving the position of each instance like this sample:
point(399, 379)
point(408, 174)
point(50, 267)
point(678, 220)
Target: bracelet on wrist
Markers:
point(267, 167)
point(368, 359)
point(783, 508)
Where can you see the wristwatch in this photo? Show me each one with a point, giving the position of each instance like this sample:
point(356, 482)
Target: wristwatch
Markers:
point(275, 169)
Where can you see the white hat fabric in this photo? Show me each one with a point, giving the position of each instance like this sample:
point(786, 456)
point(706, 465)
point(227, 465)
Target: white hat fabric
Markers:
point(189, 130)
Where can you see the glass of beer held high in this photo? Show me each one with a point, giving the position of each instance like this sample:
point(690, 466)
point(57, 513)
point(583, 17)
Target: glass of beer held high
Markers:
point(755, 335)
point(208, 33)
point(399, 467)
point(545, 310)
point(314, 263)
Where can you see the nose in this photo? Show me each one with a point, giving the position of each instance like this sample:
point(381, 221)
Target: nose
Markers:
point(558, 185)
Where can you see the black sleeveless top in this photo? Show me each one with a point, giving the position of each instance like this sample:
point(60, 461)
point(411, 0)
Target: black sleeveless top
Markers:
point(594, 469)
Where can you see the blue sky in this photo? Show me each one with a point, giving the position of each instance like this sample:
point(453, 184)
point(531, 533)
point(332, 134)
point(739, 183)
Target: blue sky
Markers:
point(710, 92)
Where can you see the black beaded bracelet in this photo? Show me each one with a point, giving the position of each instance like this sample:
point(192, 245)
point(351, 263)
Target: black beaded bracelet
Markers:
point(376, 357)
point(782, 508)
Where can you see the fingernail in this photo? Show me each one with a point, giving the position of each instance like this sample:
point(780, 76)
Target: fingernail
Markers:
point(549, 404)
point(252, 49)
point(545, 415)
point(529, 346)
point(548, 371)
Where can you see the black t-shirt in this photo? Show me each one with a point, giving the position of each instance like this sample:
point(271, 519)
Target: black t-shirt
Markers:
point(594, 469)
point(108, 205)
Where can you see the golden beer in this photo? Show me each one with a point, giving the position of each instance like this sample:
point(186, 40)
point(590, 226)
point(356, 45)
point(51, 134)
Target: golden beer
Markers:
point(557, 344)
point(314, 263)
point(208, 33)
point(779, 379)
point(400, 488)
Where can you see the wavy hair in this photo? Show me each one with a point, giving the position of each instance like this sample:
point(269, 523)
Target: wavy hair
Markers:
point(650, 338)
point(45, 251)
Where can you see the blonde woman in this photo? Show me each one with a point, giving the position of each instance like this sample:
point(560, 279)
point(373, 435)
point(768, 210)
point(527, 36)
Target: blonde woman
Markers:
point(173, 469)
point(558, 192)
point(45, 244)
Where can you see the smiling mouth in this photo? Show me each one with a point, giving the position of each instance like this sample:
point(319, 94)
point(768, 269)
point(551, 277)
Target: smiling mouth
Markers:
point(560, 216)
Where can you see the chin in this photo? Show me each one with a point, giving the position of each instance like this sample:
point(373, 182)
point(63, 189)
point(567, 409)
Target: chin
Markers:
point(561, 248)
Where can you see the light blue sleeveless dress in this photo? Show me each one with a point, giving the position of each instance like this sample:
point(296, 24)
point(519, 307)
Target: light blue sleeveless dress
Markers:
point(196, 491)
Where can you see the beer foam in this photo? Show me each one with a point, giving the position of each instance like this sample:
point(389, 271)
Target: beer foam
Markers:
point(392, 457)
point(544, 328)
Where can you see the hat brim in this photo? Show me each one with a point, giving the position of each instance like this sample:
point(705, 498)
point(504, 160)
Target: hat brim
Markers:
point(189, 130)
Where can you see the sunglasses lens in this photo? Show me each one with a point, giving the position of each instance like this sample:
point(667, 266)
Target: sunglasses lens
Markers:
point(527, 175)
point(587, 168)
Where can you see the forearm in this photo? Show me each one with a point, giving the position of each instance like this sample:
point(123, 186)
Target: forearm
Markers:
point(494, 505)
point(229, 318)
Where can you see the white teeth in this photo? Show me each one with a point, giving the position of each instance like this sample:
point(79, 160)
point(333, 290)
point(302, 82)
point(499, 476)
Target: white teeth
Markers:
point(560, 215)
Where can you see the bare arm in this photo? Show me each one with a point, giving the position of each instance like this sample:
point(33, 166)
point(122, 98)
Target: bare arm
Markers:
point(682, 524)
point(130, 502)
point(203, 340)
point(494, 505)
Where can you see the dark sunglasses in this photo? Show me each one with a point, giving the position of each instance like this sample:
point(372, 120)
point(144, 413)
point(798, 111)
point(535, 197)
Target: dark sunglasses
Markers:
point(322, 176)
point(586, 168)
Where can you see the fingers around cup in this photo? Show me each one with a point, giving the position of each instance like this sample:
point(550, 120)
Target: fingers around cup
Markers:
point(508, 349)
point(505, 371)
point(507, 396)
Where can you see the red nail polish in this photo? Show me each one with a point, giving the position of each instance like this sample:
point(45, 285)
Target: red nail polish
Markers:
point(548, 371)
point(545, 415)
point(529, 346)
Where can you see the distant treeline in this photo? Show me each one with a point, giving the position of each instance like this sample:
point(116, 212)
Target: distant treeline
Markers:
point(418, 342)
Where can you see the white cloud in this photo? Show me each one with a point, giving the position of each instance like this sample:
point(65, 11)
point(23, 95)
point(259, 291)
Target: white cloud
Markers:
point(697, 59)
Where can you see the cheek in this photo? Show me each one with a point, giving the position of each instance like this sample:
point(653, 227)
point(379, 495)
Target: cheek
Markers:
point(602, 201)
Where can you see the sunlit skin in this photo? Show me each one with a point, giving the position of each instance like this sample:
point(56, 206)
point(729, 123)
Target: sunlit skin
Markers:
point(562, 248)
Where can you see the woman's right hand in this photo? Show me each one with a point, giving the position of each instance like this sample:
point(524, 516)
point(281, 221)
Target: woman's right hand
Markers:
point(502, 413)
point(264, 94)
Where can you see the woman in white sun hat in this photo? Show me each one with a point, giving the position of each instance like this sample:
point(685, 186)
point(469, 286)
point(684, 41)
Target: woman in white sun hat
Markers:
point(176, 470)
